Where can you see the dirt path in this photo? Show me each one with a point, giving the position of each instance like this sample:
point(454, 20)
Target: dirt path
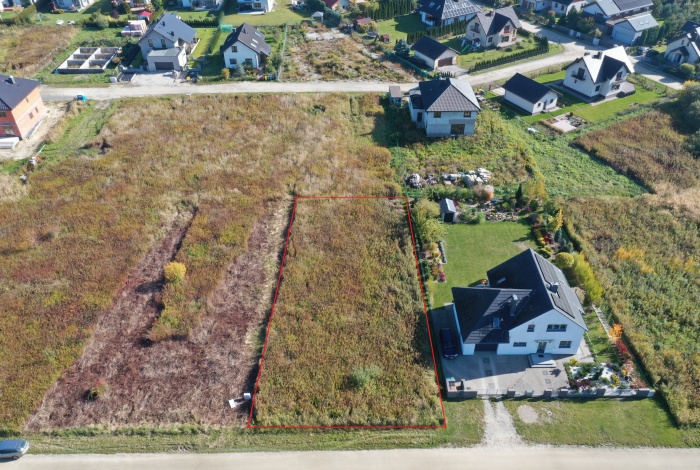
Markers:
point(499, 430)
point(188, 381)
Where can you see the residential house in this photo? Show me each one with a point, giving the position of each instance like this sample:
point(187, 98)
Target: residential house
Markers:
point(493, 28)
point(21, 107)
point(434, 54)
point(685, 48)
point(256, 5)
point(138, 3)
point(448, 212)
point(529, 95)
point(628, 30)
point(536, 5)
point(444, 12)
point(395, 95)
point(528, 307)
point(444, 107)
point(596, 76)
point(73, 4)
point(563, 7)
point(245, 46)
point(606, 12)
point(167, 43)
point(341, 4)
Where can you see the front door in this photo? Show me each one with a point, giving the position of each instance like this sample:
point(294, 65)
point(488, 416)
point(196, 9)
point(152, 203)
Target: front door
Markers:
point(419, 118)
point(541, 347)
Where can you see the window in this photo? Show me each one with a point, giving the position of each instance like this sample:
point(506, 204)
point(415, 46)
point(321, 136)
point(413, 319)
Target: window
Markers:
point(232, 61)
point(234, 48)
point(3, 114)
point(8, 130)
point(551, 101)
point(556, 327)
point(437, 114)
point(150, 43)
point(36, 108)
point(162, 43)
point(530, 328)
point(249, 61)
point(564, 344)
point(467, 114)
point(257, 6)
point(618, 76)
point(490, 40)
point(458, 129)
point(519, 345)
point(597, 88)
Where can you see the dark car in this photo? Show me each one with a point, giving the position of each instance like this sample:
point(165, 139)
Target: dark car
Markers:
point(13, 449)
point(448, 345)
point(652, 53)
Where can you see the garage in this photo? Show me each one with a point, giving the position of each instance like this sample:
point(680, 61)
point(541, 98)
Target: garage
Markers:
point(444, 62)
point(486, 347)
point(173, 58)
point(163, 65)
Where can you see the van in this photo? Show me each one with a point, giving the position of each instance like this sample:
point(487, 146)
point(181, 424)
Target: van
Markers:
point(448, 345)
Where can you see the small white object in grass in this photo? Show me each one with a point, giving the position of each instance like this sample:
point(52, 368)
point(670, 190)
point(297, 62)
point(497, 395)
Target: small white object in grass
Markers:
point(246, 396)
point(532, 129)
point(232, 403)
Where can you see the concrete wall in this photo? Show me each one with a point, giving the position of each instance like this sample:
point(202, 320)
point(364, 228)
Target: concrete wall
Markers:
point(519, 334)
point(24, 117)
point(243, 53)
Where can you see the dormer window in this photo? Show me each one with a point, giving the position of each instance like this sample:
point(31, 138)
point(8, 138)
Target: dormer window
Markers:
point(234, 48)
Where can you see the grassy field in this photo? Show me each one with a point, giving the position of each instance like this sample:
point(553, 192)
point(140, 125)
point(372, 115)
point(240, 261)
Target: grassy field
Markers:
point(98, 205)
point(610, 109)
point(398, 27)
point(598, 341)
point(474, 249)
point(281, 14)
point(25, 50)
point(348, 340)
point(628, 423)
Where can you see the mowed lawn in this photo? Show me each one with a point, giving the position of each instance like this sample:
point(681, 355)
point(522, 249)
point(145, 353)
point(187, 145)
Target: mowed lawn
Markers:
point(281, 14)
point(474, 249)
point(398, 27)
point(348, 341)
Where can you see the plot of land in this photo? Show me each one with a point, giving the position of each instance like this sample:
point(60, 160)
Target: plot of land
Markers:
point(348, 342)
point(25, 50)
point(282, 13)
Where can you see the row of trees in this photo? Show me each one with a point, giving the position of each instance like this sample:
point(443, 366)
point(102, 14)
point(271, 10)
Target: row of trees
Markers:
point(541, 48)
point(385, 9)
point(576, 20)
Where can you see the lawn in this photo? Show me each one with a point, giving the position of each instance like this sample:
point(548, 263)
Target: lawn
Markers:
point(398, 27)
point(211, 63)
point(468, 60)
point(187, 14)
point(281, 14)
point(598, 341)
point(610, 109)
point(628, 423)
point(474, 249)
point(348, 340)
point(105, 6)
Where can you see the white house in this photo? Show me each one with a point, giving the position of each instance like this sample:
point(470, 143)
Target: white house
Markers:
point(601, 74)
point(563, 7)
point(444, 107)
point(686, 47)
point(73, 4)
point(255, 5)
point(434, 54)
point(605, 12)
point(245, 46)
point(169, 32)
point(628, 30)
point(527, 308)
point(528, 95)
point(444, 12)
point(493, 28)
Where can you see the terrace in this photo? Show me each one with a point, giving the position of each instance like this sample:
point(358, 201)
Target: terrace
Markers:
point(88, 60)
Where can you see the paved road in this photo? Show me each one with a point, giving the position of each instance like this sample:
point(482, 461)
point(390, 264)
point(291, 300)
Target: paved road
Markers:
point(521, 458)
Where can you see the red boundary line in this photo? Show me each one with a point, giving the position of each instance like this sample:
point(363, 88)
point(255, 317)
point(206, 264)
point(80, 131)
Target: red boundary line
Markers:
point(272, 312)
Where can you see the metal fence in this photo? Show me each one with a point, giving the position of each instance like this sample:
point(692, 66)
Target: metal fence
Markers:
point(455, 389)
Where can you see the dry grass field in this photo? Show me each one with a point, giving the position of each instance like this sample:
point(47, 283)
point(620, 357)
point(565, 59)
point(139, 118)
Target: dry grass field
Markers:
point(25, 50)
point(348, 342)
point(127, 187)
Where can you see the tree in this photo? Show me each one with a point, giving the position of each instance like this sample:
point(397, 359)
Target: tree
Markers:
point(101, 22)
point(431, 231)
point(689, 112)
point(157, 4)
point(125, 8)
point(401, 48)
point(564, 260)
point(555, 222)
point(175, 272)
point(519, 194)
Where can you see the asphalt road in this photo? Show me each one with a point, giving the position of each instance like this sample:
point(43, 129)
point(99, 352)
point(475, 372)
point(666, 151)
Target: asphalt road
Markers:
point(520, 458)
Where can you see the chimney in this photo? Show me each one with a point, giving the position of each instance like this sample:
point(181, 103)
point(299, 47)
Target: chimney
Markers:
point(513, 304)
point(586, 53)
point(12, 80)
point(554, 287)
point(598, 55)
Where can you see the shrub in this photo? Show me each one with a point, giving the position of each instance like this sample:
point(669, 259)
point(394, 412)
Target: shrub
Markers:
point(175, 272)
point(426, 209)
point(565, 260)
point(99, 390)
point(687, 70)
point(586, 277)
point(431, 230)
point(363, 376)
point(101, 21)
point(125, 7)
point(225, 73)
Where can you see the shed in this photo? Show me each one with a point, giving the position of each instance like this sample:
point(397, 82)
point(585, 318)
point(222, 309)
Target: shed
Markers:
point(385, 38)
point(145, 15)
point(529, 95)
point(448, 212)
point(433, 53)
point(395, 95)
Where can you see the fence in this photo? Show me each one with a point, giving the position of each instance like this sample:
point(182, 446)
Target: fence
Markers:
point(458, 389)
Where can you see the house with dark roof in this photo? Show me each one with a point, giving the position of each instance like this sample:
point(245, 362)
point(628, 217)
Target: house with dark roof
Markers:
point(448, 211)
point(433, 54)
point(21, 107)
point(264, 6)
point(245, 46)
point(529, 95)
point(167, 43)
point(72, 5)
point(527, 307)
point(444, 107)
point(444, 12)
point(599, 75)
point(493, 28)
point(606, 12)
point(628, 30)
point(563, 7)
point(685, 48)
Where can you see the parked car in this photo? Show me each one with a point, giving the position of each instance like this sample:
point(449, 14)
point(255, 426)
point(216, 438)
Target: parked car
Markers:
point(652, 53)
point(13, 449)
point(448, 345)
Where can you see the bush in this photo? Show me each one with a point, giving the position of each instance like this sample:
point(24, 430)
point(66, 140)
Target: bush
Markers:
point(586, 277)
point(565, 260)
point(175, 272)
point(431, 230)
point(225, 73)
point(99, 390)
point(101, 21)
point(125, 7)
point(687, 70)
point(363, 376)
point(426, 209)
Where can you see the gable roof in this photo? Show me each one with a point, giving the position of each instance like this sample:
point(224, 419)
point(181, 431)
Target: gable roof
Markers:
point(640, 22)
point(690, 27)
point(250, 37)
point(431, 48)
point(446, 9)
point(605, 64)
point(173, 28)
point(608, 7)
point(627, 5)
point(448, 95)
point(550, 289)
point(331, 3)
point(615, 7)
point(493, 21)
point(526, 88)
point(567, 2)
point(14, 90)
point(447, 206)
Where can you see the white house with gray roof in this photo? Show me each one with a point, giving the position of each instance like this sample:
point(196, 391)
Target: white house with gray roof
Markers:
point(628, 30)
point(444, 12)
point(444, 107)
point(433, 54)
point(493, 28)
point(600, 75)
point(245, 46)
point(685, 48)
point(527, 307)
point(167, 43)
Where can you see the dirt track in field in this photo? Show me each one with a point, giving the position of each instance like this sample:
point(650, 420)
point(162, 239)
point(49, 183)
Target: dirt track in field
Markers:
point(187, 381)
